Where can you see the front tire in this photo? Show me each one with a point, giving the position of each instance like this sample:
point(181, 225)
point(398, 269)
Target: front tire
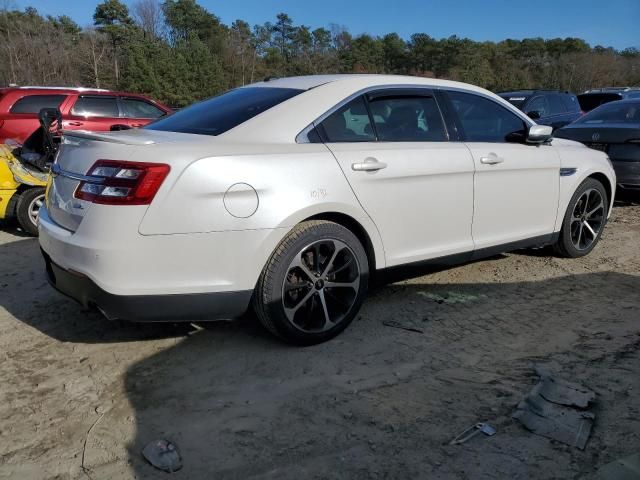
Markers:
point(584, 220)
point(314, 283)
point(29, 203)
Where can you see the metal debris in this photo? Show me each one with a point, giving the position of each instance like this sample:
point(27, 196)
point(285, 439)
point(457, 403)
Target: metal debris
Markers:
point(394, 324)
point(556, 409)
point(472, 431)
point(163, 455)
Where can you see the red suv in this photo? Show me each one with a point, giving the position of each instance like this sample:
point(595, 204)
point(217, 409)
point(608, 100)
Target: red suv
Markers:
point(82, 109)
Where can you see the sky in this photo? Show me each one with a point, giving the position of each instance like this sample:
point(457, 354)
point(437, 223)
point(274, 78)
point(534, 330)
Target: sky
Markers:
point(614, 23)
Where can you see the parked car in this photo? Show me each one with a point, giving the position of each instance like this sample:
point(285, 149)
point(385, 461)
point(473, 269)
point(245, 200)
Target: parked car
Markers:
point(613, 128)
point(82, 109)
point(547, 107)
point(288, 194)
point(599, 96)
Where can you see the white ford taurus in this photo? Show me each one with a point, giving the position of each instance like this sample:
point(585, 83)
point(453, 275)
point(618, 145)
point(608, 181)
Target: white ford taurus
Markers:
point(287, 194)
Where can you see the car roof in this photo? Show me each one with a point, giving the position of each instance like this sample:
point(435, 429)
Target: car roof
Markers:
point(309, 82)
point(531, 91)
point(66, 90)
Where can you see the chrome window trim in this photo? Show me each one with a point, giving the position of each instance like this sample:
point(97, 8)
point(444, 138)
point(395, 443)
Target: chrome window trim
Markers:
point(303, 137)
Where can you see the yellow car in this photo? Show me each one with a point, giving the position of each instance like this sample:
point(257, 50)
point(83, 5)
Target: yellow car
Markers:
point(22, 191)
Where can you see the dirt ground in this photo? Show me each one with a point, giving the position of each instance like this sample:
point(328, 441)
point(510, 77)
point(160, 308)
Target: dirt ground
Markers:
point(80, 396)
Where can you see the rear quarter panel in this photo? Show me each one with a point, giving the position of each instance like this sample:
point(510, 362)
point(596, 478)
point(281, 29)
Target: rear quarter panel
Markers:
point(285, 183)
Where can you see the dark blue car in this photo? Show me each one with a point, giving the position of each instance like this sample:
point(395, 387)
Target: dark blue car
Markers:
point(546, 107)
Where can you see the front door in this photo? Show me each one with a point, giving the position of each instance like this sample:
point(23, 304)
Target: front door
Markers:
point(516, 185)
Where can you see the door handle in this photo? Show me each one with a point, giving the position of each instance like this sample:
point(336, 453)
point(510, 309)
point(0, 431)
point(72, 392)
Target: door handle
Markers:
point(74, 124)
point(369, 165)
point(491, 159)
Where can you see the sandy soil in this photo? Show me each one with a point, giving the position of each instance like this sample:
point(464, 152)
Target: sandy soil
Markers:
point(80, 396)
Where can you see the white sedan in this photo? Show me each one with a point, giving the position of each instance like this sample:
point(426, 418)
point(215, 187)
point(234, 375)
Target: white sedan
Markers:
point(287, 195)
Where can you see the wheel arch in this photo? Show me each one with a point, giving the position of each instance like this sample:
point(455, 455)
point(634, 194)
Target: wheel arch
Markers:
point(357, 229)
point(606, 183)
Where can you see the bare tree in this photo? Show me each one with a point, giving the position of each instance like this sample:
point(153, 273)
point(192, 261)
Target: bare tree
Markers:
point(148, 15)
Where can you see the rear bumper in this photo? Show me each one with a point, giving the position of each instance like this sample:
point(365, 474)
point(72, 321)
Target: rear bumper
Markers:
point(147, 308)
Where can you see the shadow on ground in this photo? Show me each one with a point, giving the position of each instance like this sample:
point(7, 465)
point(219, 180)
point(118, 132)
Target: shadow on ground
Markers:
point(376, 402)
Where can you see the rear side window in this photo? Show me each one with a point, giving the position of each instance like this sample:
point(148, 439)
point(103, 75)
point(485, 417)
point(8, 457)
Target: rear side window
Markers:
point(35, 103)
point(589, 101)
point(99, 106)
point(484, 120)
point(556, 105)
point(224, 112)
point(407, 119)
point(137, 108)
point(571, 102)
point(349, 123)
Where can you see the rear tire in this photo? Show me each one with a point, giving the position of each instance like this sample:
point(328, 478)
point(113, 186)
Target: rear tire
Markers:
point(313, 285)
point(29, 203)
point(584, 220)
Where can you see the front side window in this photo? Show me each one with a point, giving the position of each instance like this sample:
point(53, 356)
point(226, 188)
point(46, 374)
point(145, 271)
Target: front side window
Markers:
point(98, 106)
point(539, 105)
point(350, 123)
point(224, 112)
point(407, 119)
point(35, 103)
point(136, 108)
point(484, 120)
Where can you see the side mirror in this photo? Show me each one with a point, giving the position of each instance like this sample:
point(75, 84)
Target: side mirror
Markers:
point(534, 114)
point(539, 134)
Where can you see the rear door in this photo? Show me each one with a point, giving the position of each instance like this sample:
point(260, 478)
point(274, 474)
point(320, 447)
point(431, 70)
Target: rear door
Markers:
point(138, 112)
point(416, 186)
point(22, 118)
point(516, 185)
point(94, 113)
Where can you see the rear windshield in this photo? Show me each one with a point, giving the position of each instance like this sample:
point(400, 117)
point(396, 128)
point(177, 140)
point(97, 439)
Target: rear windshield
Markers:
point(618, 112)
point(220, 114)
point(514, 99)
point(589, 101)
point(35, 103)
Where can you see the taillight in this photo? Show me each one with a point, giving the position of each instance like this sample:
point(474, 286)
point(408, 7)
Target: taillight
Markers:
point(122, 183)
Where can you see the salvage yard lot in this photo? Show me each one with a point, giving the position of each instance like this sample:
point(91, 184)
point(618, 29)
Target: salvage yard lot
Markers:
point(80, 396)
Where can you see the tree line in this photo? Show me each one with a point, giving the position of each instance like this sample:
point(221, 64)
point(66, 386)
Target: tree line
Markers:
point(178, 52)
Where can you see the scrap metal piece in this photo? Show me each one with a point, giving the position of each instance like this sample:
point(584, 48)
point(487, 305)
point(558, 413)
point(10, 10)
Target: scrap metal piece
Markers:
point(472, 431)
point(562, 392)
point(163, 455)
point(550, 411)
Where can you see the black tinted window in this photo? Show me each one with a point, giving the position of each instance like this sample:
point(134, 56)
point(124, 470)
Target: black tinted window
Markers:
point(407, 119)
point(35, 103)
point(556, 105)
point(136, 108)
point(349, 123)
point(96, 107)
point(219, 114)
point(483, 120)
